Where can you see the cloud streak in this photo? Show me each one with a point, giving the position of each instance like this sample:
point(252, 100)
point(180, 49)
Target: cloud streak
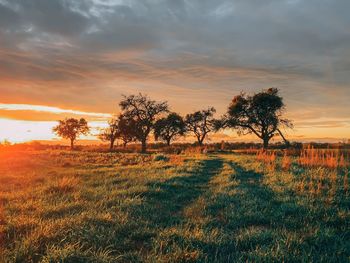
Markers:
point(55, 110)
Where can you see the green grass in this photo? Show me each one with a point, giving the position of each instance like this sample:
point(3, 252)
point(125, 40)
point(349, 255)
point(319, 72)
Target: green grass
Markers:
point(101, 207)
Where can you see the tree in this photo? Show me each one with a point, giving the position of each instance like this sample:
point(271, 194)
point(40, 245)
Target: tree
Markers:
point(170, 127)
point(110, 134)
point(126, 130)
point(201, 123)
point(144, 112)
point(71, 129)
point(118, 128)
point(260, 114)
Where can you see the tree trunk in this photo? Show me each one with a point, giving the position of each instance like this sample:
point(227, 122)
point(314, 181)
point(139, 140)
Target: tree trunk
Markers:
point(124, 144)
point(143, 146)
point(200, 141)
point(168, 141)
point(266, 142)
point(111, 146)
point(72, 144)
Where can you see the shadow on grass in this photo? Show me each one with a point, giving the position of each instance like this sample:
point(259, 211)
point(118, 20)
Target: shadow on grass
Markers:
point(266, 226)
point(165, 201)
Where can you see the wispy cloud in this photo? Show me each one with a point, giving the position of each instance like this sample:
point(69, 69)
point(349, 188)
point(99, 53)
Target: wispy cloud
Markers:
point(55, 110)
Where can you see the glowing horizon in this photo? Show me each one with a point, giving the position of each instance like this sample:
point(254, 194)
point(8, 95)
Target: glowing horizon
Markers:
point(19, 131)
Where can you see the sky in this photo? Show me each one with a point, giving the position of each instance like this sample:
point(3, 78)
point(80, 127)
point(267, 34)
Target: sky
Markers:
point(63, 58)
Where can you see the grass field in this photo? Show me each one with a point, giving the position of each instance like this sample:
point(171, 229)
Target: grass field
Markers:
point(58, 206)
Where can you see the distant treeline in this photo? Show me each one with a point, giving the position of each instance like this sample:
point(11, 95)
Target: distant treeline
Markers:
point(174, 148)
point(260, 114)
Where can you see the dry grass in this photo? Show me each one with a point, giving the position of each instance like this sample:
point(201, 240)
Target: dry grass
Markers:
point(311, 157)
point(322, 172)
point(267, 157)
point(2, 224)
point(65, 184)
point(286, 162)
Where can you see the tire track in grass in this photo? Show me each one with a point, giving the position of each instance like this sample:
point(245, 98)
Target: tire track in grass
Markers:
point(181, 241)
point(171, 217)
point(251, 220)
point(170, 198)
point(213, 222)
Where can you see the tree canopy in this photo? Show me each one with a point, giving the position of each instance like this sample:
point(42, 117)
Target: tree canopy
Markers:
point(169, 127)
point(200, 123)
point(118, 128)
point(260, 114)
point(71, 129)
point(126, 129)
point(144, 112)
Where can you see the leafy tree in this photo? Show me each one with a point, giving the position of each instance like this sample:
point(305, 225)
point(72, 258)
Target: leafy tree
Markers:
point(260, 114)
point(144, 112)
point(126, 130)
point(110, 134)
point(118, 128)
point(201, 123)
point(170, 127)
point(71, 129)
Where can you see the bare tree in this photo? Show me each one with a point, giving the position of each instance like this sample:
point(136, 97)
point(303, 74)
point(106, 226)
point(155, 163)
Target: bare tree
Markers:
point(144, 111)
point(260, 114)
point(169, 127)
point(71, 129)
point(201, 123)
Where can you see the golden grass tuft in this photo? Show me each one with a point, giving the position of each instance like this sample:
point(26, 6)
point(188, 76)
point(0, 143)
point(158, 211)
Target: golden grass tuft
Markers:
point(65, 184)
point(286, 161)
point(177, 159)
point(311, 157)
point(269, 158)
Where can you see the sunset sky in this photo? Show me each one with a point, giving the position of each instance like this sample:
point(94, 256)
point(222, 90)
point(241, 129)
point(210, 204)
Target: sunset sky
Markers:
point(76, 58)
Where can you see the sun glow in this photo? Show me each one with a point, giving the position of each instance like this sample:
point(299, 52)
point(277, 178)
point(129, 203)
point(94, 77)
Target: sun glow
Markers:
point(17, 131)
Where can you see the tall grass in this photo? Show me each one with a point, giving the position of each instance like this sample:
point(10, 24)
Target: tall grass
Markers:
point(61, 206)
point(320, 170)
point(311, 157)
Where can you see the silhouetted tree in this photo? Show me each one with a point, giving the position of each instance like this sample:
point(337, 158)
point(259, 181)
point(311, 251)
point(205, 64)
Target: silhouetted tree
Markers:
point(118, 128)
point(110, 134)
point(201, 123)
point(71, 129)
point(126, 130)
point(170, 127)
point(260, 114)
point(144, 112)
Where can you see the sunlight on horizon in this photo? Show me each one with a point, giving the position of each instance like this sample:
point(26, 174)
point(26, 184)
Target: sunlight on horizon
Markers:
point(19, 131)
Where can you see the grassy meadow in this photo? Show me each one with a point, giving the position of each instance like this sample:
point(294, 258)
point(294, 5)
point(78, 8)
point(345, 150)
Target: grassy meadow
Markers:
point(62, 206)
